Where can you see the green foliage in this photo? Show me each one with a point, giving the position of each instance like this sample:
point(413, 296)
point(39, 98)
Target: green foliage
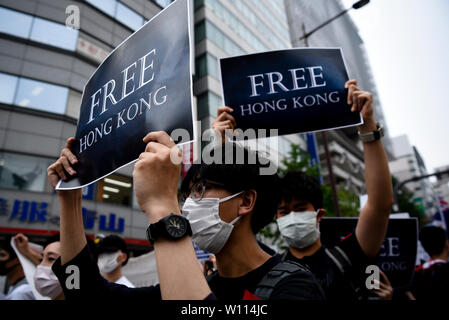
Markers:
point(348, 202)
point(298, 160)
point(406, 204)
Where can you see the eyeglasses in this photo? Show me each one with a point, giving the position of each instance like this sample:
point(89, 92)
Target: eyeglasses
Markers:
point(199, 189)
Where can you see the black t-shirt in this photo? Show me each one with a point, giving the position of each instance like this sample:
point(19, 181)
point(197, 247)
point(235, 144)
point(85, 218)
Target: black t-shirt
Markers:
point(338, 285)
point(431, 281)
point(298, 286)
point(92, 285)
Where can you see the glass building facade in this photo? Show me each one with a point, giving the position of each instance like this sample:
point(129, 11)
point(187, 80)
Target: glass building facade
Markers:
point(226, 28)
point(44, 66)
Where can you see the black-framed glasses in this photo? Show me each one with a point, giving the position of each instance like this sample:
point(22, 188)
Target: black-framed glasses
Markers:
point(199, 189)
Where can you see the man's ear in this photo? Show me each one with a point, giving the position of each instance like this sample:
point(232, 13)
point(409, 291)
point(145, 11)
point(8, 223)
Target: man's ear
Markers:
point(320, 213)
point(122, 257)
point(248, 202)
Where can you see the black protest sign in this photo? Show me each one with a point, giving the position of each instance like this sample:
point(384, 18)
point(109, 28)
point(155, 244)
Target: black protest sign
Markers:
point(293, 90)
point(397, 255)
point(144, 85)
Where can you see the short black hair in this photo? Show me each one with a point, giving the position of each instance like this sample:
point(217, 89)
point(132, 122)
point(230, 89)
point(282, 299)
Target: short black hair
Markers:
point(433, 239)
point(57, 237)
point(113, 243)
point(6, 245)
point(237, 176)
point(301, 186)
point(54, 238)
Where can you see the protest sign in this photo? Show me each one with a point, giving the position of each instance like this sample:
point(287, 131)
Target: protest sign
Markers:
point(144, 85)
point(397, 255)
point(293, 90)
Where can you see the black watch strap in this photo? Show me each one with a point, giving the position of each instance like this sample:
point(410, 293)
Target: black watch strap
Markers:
point(173, 226)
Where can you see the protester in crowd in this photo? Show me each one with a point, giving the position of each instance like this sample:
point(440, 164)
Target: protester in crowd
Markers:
point(431, 279)
point(112, 256)
point(155, 185)
point(227, 203)
point(17, 287)
point(45, 280)
point(241, 263)
point(210, 265)
point(340, 270)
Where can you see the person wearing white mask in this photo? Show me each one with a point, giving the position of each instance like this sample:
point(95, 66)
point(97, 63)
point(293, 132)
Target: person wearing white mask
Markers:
point(340, 270)
point(226, 205)
point(45, 281)
point(112, 256)
point(300, 210)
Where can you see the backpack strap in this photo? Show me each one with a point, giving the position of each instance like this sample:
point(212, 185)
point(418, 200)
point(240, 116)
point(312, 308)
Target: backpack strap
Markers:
point(280, 271)
point(341, 260)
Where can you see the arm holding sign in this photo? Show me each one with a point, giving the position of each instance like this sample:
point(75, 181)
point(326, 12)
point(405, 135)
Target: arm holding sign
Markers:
point(373, 221)
point(156, 178)
point(73, 239)
point(155, 182)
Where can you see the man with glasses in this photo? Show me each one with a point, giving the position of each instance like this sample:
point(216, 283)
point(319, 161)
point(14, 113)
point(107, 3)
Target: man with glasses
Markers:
point(226, 205)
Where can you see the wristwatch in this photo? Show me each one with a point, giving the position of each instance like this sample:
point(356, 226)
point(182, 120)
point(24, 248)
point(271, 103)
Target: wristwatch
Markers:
point(373, 135)
point(173, 226)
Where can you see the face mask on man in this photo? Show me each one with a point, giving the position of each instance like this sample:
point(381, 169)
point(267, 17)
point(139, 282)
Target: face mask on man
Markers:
point(209, 232)
point(107, 262)
point(46, 282)
point(299, 229)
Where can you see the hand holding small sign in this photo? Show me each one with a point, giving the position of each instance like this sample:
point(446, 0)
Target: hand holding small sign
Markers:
point(156, 176)
point(359, 100)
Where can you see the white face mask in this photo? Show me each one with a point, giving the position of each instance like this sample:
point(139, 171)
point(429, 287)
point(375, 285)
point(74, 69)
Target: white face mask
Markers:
point(46, 282)
point(299, 229)
point(107, 262)
point(209, 232)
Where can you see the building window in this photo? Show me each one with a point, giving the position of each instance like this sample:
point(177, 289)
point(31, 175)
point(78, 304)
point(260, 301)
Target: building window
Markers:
point(107, 6)
point(119, 11)
point(8, 85)
point(37, 29)
point(207, 65)
point(115, 189)
point(23, 172)
point(15, 23)
point(129, 17)
point(54, 34)
point(41, 95)
point(163, 3)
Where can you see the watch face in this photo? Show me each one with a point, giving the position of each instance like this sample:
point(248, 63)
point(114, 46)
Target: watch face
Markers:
point(176, 226)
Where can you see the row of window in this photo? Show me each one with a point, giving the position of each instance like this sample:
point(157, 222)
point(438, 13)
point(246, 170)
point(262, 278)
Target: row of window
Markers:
point(207, 65)
point(119, 11)
point(279, 6)
point(216, 36)
point(261, 25)
point(23, 172)
point(37, 29)
point(28, 93)
point(271, 18)
point(235, 24)
point(122, 13)
point(207, 104)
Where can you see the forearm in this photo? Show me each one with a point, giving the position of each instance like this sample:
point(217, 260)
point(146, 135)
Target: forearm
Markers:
point(73, 239)
point(373, 220)
point(34, 256)
point(179, 272)
point(377, 175)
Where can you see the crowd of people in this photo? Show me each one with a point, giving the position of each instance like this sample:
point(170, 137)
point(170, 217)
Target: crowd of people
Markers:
point(225, 204)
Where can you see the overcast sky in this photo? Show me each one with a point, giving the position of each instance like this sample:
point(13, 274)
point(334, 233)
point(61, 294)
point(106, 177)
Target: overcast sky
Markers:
point(407, 42)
